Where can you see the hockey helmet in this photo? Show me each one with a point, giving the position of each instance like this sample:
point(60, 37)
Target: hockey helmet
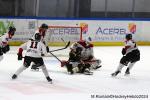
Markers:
point(44, 26)
point(12, 30)
point(37, 37)
point(129, 36)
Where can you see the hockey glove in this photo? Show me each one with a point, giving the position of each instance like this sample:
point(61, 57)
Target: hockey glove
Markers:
point(7, 48)
point(47, 48)
point(3, 49)
point(123, 51)
point(19, 56)
point(1, 52)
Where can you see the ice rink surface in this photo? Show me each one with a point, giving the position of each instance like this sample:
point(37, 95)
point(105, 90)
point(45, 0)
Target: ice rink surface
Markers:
point(33, 85)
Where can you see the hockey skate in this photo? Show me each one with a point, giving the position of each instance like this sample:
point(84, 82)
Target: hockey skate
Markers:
point(127, 72)
point(14, 76)
point(115, 73)
point(69, 69)
point(87, 72)
point(97, 67)
point(49, 79)
point(34, 68)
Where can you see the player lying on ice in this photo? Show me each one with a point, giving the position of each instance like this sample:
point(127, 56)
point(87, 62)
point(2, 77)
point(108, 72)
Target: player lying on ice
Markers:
point(81, 58)
point(4, 39)
point(33, 48)
point(131, 55)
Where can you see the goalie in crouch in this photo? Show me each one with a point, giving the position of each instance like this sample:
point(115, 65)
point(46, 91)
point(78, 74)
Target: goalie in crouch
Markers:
point(87, 54)
point(75, 63)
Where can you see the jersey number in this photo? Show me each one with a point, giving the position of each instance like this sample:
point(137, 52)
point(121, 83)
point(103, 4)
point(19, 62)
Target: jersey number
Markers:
point(33, 44)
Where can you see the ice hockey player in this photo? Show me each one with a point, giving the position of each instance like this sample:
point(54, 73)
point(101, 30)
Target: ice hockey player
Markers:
point(131, 55)
point(33, 54)
point(87, 54)
point(75, 64)
point(4, 39)
point(42, 30)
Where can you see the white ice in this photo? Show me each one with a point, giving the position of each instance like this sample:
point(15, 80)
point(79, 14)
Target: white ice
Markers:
point(33, 85)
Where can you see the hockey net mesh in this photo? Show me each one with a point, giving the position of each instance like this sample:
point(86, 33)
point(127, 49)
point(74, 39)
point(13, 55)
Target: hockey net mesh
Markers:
point(60, 35)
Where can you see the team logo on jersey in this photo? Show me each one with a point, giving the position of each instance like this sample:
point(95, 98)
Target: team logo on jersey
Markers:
point(84, 27)
point(132, 28)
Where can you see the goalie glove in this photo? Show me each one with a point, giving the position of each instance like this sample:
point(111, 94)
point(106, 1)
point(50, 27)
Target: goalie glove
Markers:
point(63, 63)
point(123, 51)
point(20, 54)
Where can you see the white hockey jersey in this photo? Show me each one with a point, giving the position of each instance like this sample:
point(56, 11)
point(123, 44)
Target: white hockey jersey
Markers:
point(4, 39)
point(86, 53)
point(34, 48)
point(131, 46)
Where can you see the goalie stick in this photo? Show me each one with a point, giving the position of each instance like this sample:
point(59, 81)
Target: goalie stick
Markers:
point(61, 48)
point(61, 61)
point(63, 41)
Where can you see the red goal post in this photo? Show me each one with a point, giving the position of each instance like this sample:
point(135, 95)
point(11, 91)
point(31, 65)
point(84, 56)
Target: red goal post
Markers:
point(55, 34)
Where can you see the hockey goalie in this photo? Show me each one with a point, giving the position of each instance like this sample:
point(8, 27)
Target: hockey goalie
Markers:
point(81, 58)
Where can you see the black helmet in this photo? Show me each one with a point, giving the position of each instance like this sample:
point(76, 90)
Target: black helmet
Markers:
point(44, 26)
point(37, 37)
point(12, 29)
point(129, 36)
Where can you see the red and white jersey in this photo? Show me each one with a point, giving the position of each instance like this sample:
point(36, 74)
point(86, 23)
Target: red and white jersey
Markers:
point(130, 45)
point(86, 53)
point(4, 39)
point(87, 49)
point(34, 48)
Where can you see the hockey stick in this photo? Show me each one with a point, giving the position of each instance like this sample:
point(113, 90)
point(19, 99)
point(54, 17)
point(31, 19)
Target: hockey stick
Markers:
point(61, 48)
point(55, 57)
point(61, 62)
point(63, 41)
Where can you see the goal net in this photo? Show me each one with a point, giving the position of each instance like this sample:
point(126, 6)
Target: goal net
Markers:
point(59, 35)
point(56, 34)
